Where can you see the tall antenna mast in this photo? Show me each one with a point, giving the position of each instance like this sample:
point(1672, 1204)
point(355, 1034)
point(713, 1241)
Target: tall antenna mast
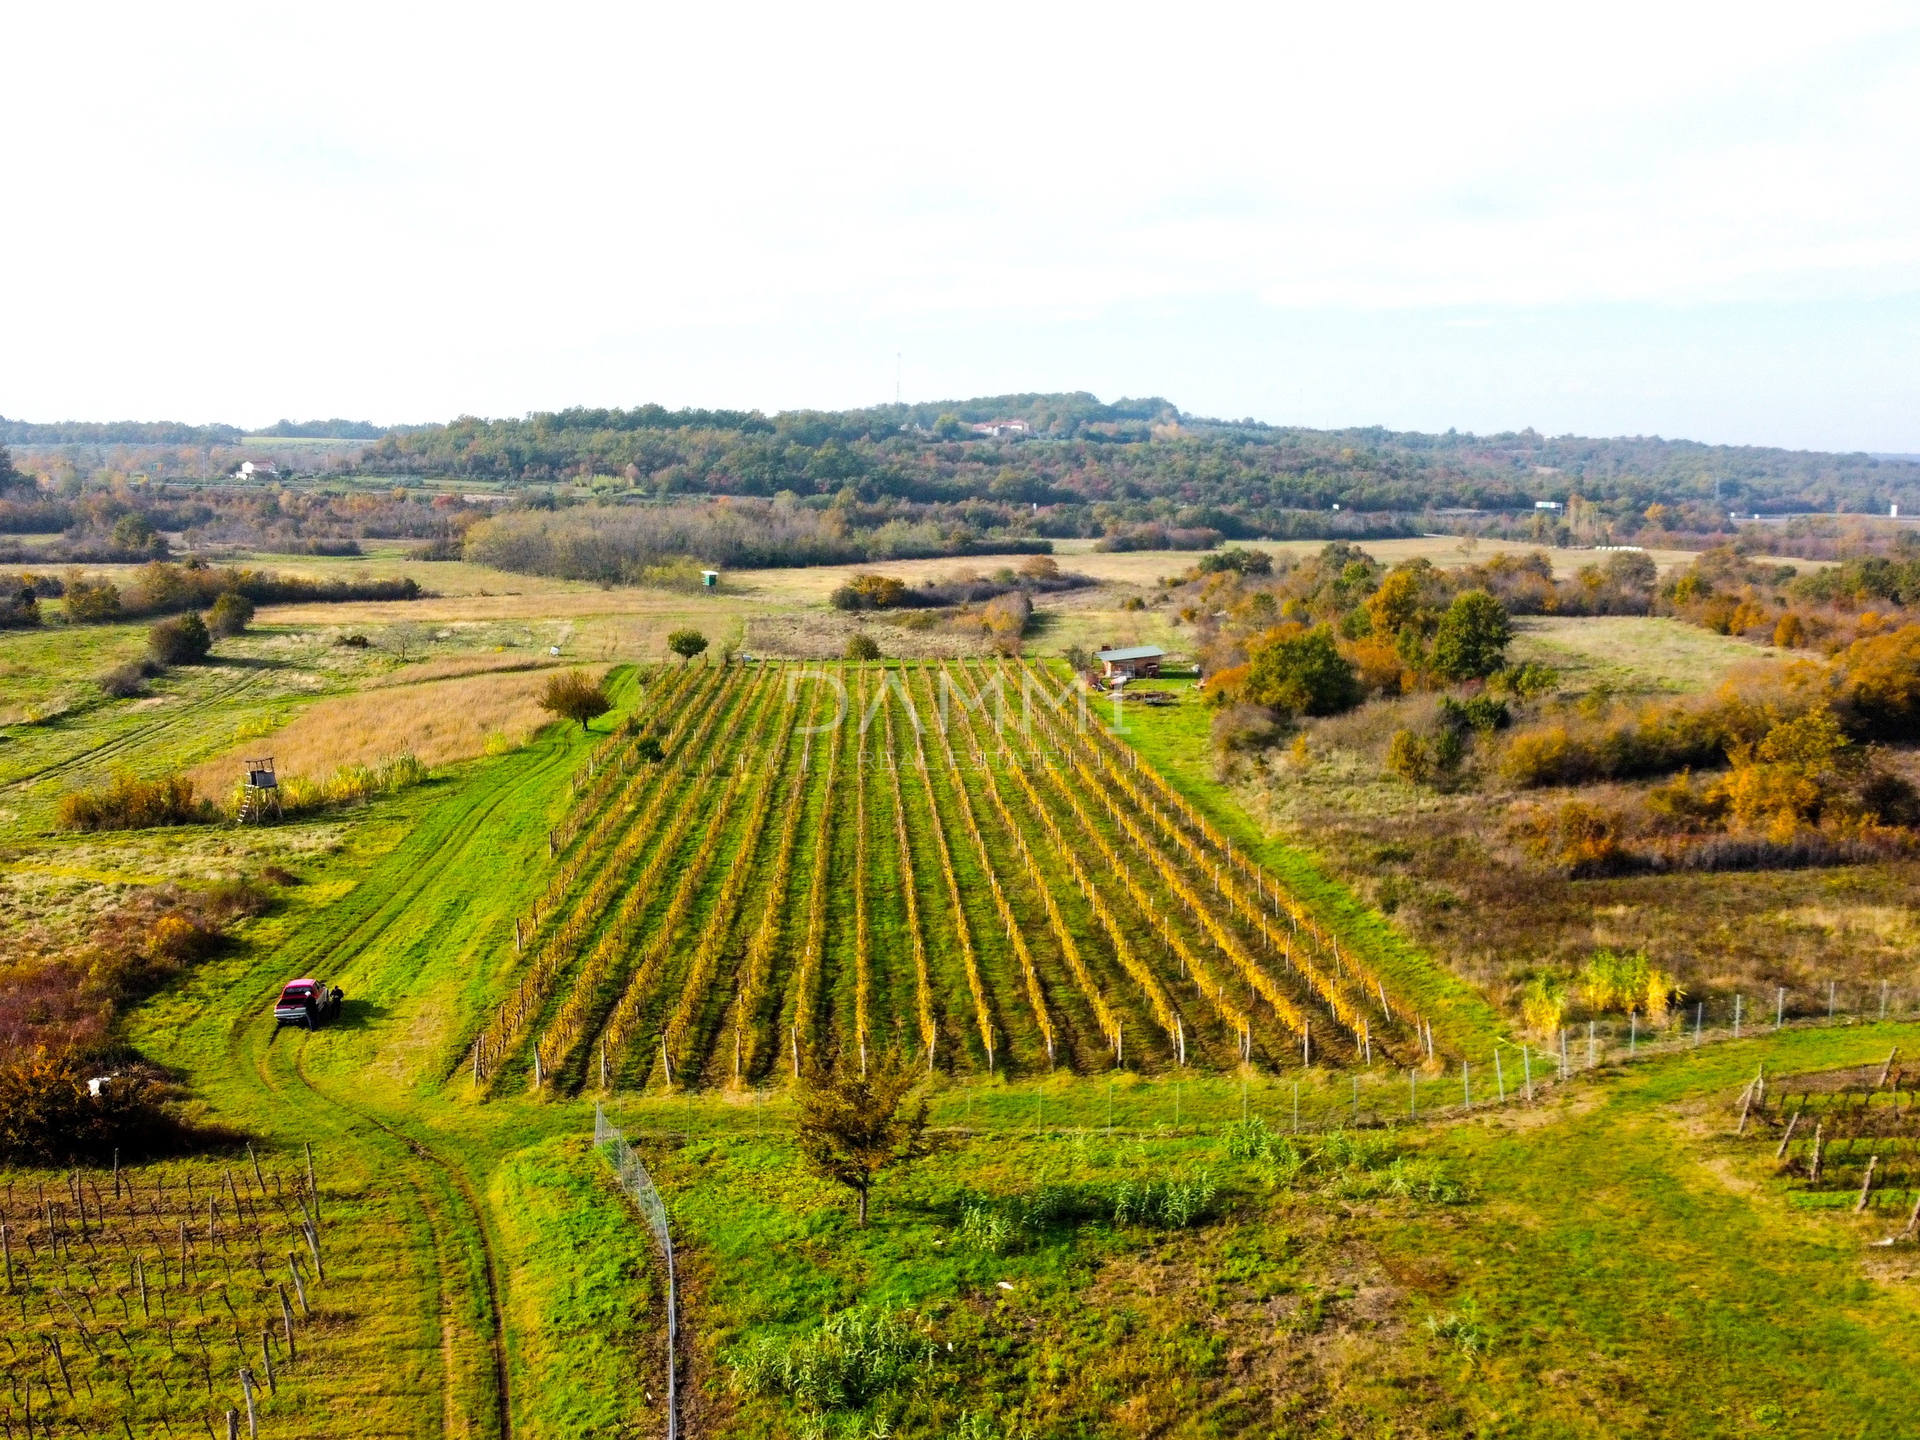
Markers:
point(896, 377)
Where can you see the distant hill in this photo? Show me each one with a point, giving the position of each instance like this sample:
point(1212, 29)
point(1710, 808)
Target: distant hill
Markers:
point(1145, 455)
point(169, 432)
point(1100, 464)
point(115, 432)
point(321, 430)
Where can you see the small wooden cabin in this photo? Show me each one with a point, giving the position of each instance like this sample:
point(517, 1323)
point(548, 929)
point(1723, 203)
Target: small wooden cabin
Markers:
point(1131, 663)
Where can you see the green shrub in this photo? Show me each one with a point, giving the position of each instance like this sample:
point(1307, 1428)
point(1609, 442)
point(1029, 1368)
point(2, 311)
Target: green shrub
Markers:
point(1173, 1204)
point(1410, 756)
point(231, 614)
point(181, 640)
point(1238, 560)
point(124, 681)
point(1351, 1164)
point(1405, 1177)
point(861, 646)
point(90, 600)
point(1459, 1328)
point(850, 1361)
point(19, 606)
point(349, 785)
point(1483, 714)
point(1302, 672)
point(1524, 682)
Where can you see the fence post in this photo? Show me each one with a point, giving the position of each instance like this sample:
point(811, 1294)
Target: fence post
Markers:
point(1866, 1184)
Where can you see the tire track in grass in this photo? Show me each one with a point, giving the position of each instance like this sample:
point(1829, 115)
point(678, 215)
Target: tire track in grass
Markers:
point(139, 735)
point(464, 1261)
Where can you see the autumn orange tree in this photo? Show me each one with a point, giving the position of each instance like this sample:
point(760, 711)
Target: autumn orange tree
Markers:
point(573, 696)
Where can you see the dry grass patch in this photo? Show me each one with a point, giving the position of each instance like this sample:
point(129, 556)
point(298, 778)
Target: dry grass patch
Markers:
point(439, 722)
point(811, 636)
point(457, 667)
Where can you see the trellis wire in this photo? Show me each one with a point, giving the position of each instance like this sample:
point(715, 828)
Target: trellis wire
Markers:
point(638, 1184)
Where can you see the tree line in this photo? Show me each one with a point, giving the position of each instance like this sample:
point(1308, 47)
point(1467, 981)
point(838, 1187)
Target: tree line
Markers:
point(1076, 452)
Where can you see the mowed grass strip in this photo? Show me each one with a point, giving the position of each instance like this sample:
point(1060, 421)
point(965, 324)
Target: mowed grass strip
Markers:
point(586, 1307)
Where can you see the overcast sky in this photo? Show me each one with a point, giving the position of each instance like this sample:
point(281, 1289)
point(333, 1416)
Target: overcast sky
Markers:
point(1674, 219)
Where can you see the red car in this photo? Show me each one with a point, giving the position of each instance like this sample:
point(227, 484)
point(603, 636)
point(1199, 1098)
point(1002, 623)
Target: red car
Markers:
point(307, 1002)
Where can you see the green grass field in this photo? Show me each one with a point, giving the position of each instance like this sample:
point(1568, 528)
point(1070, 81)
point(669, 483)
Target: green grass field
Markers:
point(1634, 654)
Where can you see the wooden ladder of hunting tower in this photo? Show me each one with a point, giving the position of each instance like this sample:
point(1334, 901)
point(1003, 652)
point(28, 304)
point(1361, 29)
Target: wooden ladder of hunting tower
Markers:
point(260, 795)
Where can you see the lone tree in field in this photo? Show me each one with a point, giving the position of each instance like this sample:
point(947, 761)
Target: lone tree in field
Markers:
point(853, 1126)
point(573, 696)
point(686, 644)
point(861, 646)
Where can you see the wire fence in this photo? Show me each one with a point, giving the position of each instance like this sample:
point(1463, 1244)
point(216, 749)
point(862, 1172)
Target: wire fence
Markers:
point(1195, 1102)
point(639, 1187)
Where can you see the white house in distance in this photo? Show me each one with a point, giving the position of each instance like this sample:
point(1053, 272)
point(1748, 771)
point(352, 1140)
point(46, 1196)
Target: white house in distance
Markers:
point(256, 470)
point(998, 428)
point(1130, 663)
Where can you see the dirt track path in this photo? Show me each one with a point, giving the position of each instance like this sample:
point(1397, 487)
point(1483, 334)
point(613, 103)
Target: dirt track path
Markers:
point(343, 944)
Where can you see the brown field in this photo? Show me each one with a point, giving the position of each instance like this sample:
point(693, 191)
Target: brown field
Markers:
point(1441, 866)
point(439, 721)
point(1441, 862)
point(456, 667)
point(815, 635)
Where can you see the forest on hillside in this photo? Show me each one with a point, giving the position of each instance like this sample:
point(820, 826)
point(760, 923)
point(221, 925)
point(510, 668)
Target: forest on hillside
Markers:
point(1074, 450)
point(1034, 465)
